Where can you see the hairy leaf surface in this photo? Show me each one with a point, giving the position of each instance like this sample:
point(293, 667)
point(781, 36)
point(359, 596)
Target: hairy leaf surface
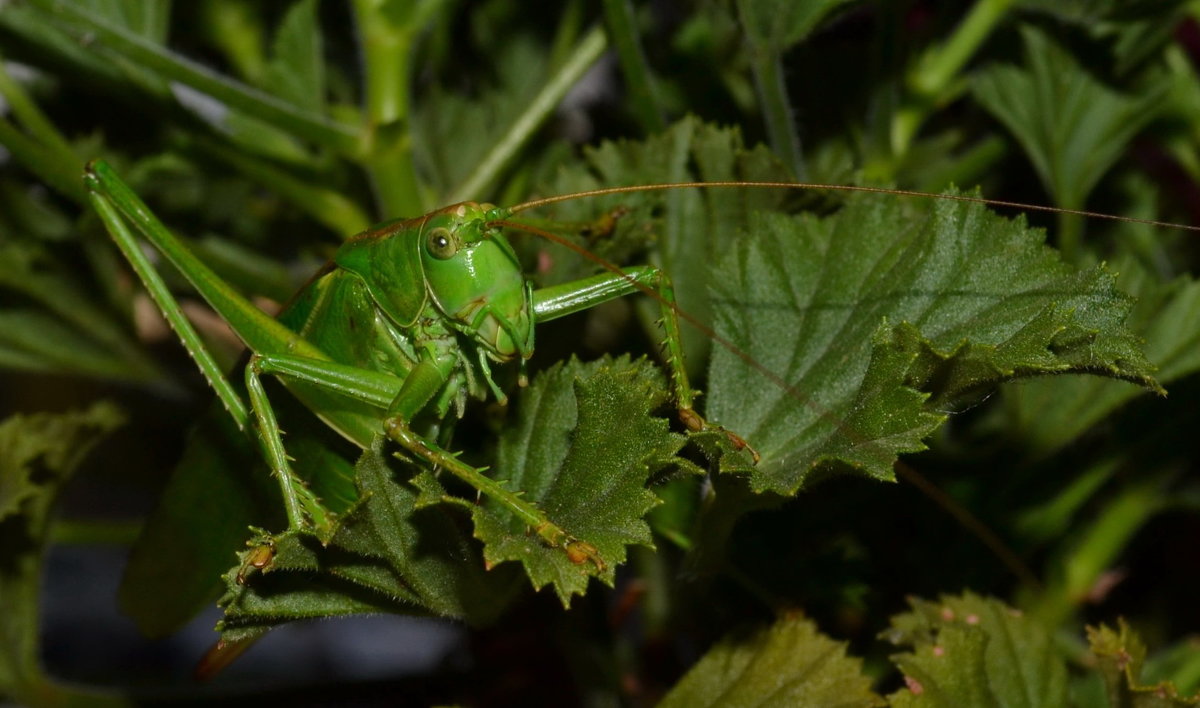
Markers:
point(582, 448)
point(865, 327)
point(973, 651)
point(789, 664)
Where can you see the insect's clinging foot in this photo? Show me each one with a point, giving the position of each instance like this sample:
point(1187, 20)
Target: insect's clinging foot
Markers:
point(257, 558)
point(580, 552)
point(695, 423)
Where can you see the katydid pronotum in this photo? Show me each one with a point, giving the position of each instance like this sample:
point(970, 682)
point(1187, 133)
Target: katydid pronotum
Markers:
point(393, 336)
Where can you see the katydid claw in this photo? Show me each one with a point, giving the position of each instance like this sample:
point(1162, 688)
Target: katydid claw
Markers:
point(695, 423)
point(257, 558)
point(580, 552)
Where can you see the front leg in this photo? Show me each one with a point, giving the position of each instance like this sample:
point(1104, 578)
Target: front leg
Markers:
point(560, 300)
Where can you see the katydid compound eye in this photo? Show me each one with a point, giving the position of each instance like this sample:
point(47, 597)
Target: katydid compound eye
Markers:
point(441, 244)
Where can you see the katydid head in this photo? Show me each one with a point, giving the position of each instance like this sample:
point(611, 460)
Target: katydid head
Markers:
point(455, 261)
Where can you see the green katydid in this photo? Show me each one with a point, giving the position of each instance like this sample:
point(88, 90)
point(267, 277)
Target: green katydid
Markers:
point(417, 333)
point(425, 307)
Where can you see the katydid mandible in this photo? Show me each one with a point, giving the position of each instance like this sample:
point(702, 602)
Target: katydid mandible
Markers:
point(390, 337)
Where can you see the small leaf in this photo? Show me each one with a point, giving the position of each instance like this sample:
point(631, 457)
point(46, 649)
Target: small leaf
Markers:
point(777, 25)
point(973, 651)
point(1120, 655)
point(582, 448)
point(296, 71)
point(866, 325)
point(39, 452)
point(1071, 126)
point(790, 664)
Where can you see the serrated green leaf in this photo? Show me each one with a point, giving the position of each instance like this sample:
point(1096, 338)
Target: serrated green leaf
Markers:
point(388, 555)
point(687, 226)
point(1119, 656)
point(582, 448)
point(790, 664)
point(969, 650)
point(864, 326)
point(427, 548)
point(1051, 413)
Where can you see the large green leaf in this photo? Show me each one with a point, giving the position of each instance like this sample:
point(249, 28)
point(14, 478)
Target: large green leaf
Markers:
point(790, 664)
point(973, 651)
point(582, 448)
point(854, 334)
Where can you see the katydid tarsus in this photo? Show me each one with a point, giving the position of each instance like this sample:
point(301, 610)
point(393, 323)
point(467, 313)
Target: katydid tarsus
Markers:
point(398, 331)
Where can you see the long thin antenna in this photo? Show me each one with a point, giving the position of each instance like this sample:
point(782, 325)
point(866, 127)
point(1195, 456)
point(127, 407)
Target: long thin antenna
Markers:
point(545, 201)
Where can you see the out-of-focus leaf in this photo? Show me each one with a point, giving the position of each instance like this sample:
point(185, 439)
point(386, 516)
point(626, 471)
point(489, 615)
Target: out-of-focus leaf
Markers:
point(1136, 29)
point(387, 556)
point(777, 25)
point(296, 71)
point(68, 333)
point(148, 19)
point(1071, 126)
point(582, 448)
point(865, 326)
point(973, 651)
point(1119, 656)
point(454, 132)
point(38, 454)
point(790, 664)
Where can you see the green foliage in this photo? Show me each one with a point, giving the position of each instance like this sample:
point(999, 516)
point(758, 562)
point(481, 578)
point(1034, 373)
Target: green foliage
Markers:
point(1120, 656)
point(790, 663)
point(973, 651)
point(835, 334)
point(976, 300)
point(38, 455)
point(583, 446)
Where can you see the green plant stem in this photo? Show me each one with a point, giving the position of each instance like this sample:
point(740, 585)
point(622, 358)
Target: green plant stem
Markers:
point(777, 110)
point(386, 37)
point(933, 78)
point(281, 114)
point(622, 29)
point(586, 53)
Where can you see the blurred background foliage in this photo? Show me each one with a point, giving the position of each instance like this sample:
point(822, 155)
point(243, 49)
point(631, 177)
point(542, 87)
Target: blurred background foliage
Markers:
point(265, 132)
